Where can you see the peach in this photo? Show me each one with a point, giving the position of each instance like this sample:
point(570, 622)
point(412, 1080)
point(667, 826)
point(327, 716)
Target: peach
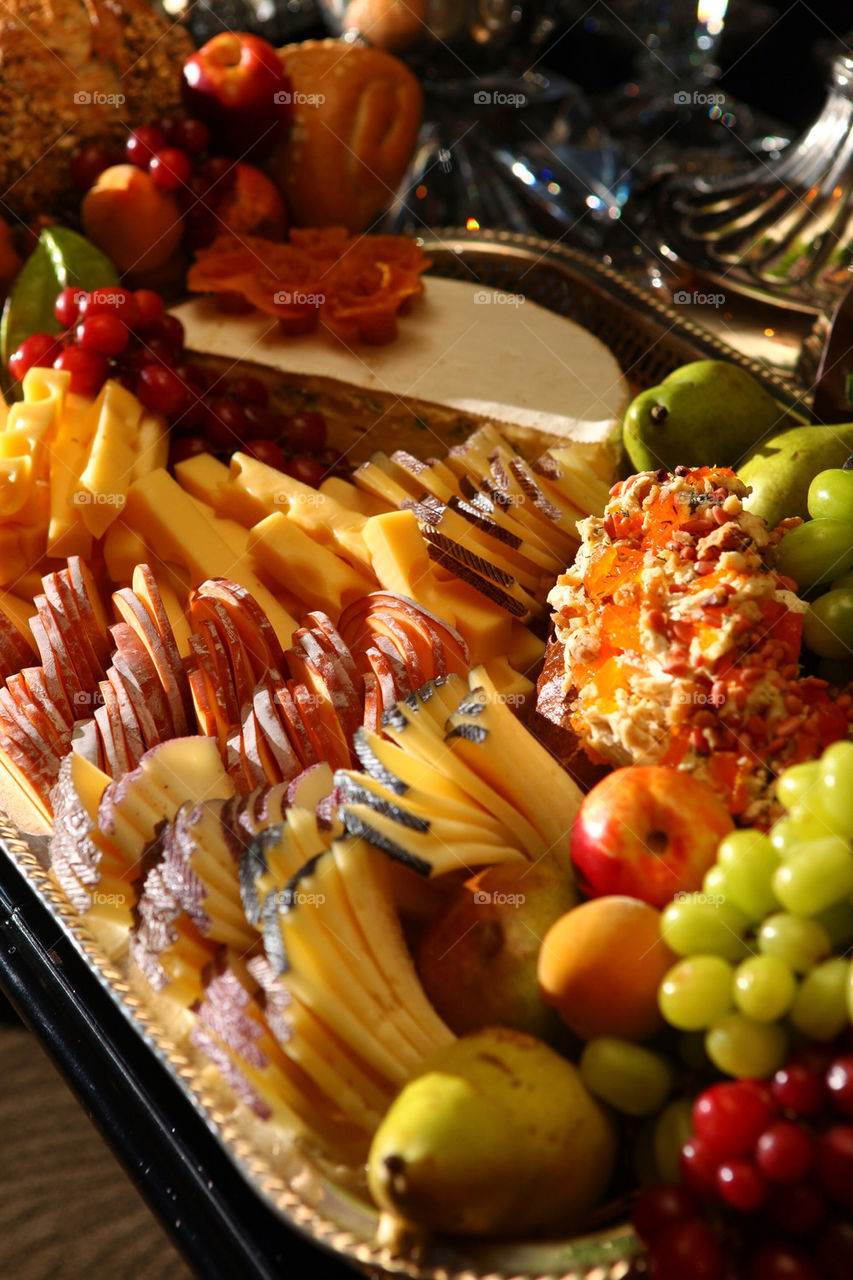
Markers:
point(600, 966)
point(135, 222)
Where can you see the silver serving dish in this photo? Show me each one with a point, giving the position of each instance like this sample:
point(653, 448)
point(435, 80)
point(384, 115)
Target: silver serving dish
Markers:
point(650, 339)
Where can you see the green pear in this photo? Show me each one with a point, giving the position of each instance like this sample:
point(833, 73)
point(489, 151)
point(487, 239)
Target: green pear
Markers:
point(708, 413)
point(780, 469)
point(477, 957)
point(495, 1135)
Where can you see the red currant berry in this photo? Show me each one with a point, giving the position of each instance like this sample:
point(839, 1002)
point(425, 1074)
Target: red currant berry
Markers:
point(160, 389)
point(698, 1166)
point(39, 351)
point(687, 1249)
point(170, 168)
point(798, 1207)
point(142, 144)
point(150, 309)
point(741, 1186)
point(110, 300)
point(839, 1085)
point(191, 135)
point(660, 1207)
point(246, 390)
point(89, 369)
point(219, 172)
point(264, 424)
point(268, 452)
point(170, 330)
point(730, 1118)
point(782, 1262)
point(104, 333)
point(307, 470)
point(784, 1152)
point(225, 424)
point(834, 1160)
point(156, 349)
point(66, 309)
point(193, 374)
point(798, 1088)
point(306, 432)
point(89, 162)
point(183, 447)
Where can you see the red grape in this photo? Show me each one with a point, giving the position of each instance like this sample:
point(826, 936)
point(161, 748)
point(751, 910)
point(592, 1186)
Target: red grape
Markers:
point(798, 1207)
point(225, 423)
point(154, 350)
point(219, 172)
point(784, 1152)
point(183, 447)
point(170, 329)
point(170, 168)
point(839, 1085)
point(89, 162)
point(38, 351)
point(161, 390)
point(142, 144)
point(307, 470)
point(150, 309)
point(66, 308)
point(306, 432)
point(834, 1161)
point(268, 452)
point(247, 391)
point(110, 299)
point(730, 1118)
point(741, 1186)
point(797, 1087)
point(660, 1207)
point(264, 424)
point(89, 369)
point(193, 373)
point(104, 333)
point(687, 1249)
point(782, 1262)
point(191, 135)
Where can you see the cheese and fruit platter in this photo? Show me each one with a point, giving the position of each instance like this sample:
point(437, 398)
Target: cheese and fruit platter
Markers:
point(427, 696)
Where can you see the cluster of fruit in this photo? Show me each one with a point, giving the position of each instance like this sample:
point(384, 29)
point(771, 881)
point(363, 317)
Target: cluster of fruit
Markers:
point(776, 1159)
point(112, 332)
point(818, 555)
point(763, 943)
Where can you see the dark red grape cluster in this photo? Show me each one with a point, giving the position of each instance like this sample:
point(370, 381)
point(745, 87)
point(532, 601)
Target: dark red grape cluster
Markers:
point(175, 153)
point(128, 335)
point(767, 1191)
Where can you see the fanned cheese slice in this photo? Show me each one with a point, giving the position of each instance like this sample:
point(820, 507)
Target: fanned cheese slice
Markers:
point(475, 350)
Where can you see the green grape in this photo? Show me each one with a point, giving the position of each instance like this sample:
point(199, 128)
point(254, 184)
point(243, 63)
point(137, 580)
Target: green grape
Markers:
point(846, 580)
point(627, 1076)
point(820, 1006)
point(836, 774)
point(799, 941)
point(828, 624)
point(673, 1127)
point(816, 552)
point(796, 833)
point(850, 991)
point(696, 992)
point(830, 495)
point(749, 861)
point(815, 878)
point(739, 1046)
point(714, 884)
point(796, 783)
point(764, 988)
point(838, 923)
point(690, 925)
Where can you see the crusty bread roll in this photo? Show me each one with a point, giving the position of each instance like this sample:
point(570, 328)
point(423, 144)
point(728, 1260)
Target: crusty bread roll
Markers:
point(74, 70)
point(549, 721)
point(356, 114)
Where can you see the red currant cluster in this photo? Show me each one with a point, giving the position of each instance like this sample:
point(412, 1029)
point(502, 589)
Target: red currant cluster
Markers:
point(116, 333)
point(174, 152)
point(781, 1156)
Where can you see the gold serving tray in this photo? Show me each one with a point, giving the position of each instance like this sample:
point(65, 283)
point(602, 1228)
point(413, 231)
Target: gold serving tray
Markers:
point(649, 339)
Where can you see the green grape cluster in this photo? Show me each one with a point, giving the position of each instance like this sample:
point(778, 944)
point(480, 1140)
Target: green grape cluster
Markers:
point(818, 555)
point(765, 945)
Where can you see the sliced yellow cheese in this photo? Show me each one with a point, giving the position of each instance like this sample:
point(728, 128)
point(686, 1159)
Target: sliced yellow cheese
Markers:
point(525, 650)
point(176, 531)
point(108, 473)
point(89, 782)
point(67, 535)
point(175, 611)
point(202, 476)
point(399, 559)
point(235, 535)
point(18, 611)
point(502, 681)
point(152, 444)
point(124, 548)
point(366, 504)
point(311, 571)
point(20, 548)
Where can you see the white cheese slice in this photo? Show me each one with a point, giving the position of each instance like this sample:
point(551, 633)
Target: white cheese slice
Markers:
point(474, 349)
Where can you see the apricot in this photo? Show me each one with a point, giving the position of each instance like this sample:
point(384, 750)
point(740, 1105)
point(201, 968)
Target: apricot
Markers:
point(134, 222)
point(600, 966)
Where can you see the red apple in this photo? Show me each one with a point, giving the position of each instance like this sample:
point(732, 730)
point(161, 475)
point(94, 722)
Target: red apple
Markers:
point(647, 831)
point(236, 84)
